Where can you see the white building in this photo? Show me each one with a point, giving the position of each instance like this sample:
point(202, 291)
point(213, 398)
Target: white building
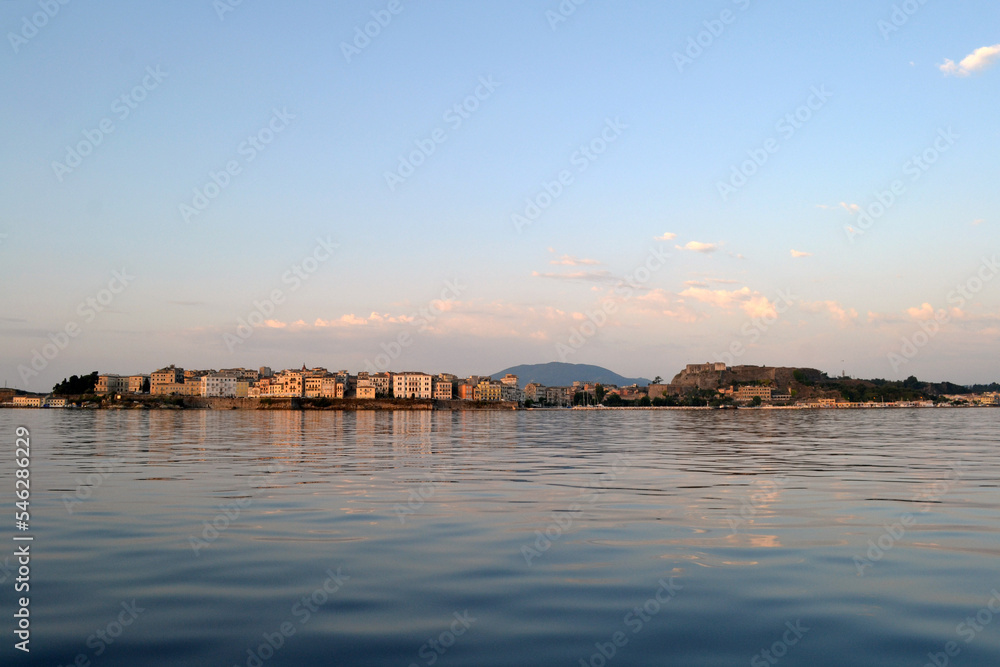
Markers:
point(223, 385)
point(412, 385)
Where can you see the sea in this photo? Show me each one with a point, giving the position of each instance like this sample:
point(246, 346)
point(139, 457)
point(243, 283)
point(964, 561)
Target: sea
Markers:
point(541, 537)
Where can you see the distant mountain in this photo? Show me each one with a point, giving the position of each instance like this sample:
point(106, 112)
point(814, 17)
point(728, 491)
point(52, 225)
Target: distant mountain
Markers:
point(556, 374)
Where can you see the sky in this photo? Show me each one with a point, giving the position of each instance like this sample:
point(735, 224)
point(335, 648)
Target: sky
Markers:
point(467, 186)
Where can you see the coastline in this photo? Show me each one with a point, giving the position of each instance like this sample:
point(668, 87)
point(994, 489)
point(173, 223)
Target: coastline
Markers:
point(389, 404)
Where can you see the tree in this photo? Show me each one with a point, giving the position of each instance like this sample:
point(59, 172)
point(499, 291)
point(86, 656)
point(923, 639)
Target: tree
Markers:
point(756, 401)
point(599, 393)
point(76, 385)
point(528, 403)
point(614, 400)
point(645, 402)
point(657, 380)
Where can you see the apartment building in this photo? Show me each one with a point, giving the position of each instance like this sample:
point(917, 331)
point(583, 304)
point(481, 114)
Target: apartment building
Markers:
point(169, 375)
point(749, 391)
point(137, 384)
point(443, 389)
point(412, 385)
point(559, 395)
point(27, 401)
point(111, 384)
point(224, 384)
point(489, 390)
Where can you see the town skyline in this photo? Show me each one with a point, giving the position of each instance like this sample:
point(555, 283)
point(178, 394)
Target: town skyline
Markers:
point(749, 194)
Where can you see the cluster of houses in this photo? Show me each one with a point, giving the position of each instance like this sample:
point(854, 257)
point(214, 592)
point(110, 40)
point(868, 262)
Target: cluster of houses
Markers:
point(311, 383)
point(751, 385)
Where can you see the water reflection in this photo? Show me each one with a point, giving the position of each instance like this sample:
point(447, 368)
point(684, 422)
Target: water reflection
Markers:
point(759, 516)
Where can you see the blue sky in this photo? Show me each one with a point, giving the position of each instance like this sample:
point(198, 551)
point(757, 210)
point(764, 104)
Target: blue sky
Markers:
point(878, 301)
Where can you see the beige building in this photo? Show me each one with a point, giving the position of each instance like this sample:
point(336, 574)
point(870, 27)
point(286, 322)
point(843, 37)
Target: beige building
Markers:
point(111, 384)
point(559, 395)
point(534, 391)
point(27, 401)
point(169, 375)
point(748, 391)
point(54, 402)
point(443, 389)
point(365, 390)
point(412, 385)
point(136, 383)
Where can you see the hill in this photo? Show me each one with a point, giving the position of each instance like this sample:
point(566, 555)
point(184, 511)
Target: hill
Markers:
point(558, 374)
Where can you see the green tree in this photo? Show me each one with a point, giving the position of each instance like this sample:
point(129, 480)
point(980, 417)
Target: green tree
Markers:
point(756, 401)
point(599, 393)
point(613, 400)
point(76, 385)
point(657, 380)
point(645, 402)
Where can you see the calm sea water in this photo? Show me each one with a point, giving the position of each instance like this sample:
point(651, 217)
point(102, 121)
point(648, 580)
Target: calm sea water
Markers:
point(503, 538)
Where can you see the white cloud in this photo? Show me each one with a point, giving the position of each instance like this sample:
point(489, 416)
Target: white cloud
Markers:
point(720, 297)
point(599, 276)
point(976, 61)
point(698, 246)
point(850, 208)
point(924, 312)
point(669, 236)
point(570, 260)
point(797, 254)
point(835, 310)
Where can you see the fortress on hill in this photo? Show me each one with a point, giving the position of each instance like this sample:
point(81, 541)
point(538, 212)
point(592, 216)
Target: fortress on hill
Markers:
point(719, 376)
